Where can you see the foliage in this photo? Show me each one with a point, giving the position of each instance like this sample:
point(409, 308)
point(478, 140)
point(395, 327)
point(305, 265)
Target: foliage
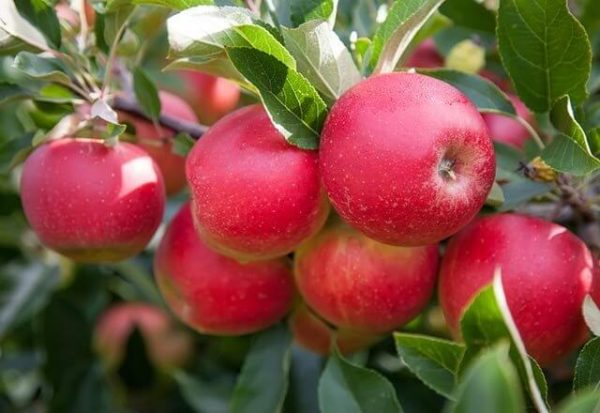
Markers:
point(297, 58)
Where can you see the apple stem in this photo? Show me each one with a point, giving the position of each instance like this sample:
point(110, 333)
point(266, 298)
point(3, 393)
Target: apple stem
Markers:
point(446, 169)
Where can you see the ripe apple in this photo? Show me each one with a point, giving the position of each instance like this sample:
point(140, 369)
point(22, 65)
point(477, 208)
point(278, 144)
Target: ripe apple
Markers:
point(595, 288)
point(357, 283)
point(406, 159)
point(315, 335)
point(255, 196)
point(425, 56)
point(167, 345)
point(91, 202)
point(212, 97)
point(156, 140)
point(507, 130)
point(546, 273)
point(215, 294)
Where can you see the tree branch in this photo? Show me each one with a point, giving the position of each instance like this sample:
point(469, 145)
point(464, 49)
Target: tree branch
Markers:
point(193, 129)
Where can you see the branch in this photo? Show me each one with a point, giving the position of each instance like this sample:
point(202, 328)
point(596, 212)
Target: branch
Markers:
point(177, 125)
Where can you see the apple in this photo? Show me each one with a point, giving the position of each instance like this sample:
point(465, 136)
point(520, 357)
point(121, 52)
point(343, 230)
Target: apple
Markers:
point(91, 202)
point(211, 96)
point(406, 159)
point(255, 196)
point(215, 294)
point(595, 288)
point(156, 140)
point(546, 273)
point(354, 282)
point(167, 346)
point(317, 336)
point(507, 130)
point(425, 56)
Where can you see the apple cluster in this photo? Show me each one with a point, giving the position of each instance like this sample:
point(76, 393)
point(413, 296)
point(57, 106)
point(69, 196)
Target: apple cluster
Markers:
point(346, 238)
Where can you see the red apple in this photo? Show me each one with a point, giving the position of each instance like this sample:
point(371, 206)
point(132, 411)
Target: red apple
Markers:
point(315, 335)
point(211, 96)
point(425, 56)
point(406, 159)
point(546, 273)
point(215, 294)
point(166, 345)
point(595, 288)
point(91, 202)
point(507, 130)
point(255, 196)
point(357, 283)
point(156, 140)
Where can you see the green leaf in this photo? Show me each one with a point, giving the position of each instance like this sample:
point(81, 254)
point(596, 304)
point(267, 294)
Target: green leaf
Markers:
point(43, 16)
point(491, 381)
point(483, 93)
point(206, 31)
point(590, 16)
point(496, 197)
point(563, 119)
point(9, 92)
point(587, 369)
point(182, 144)
point(545, 50)
point(302, 11)
point(115, 20)
point(293, 104)
point(591, 314)
point(203, 396)
point(470, 14)
point(434, 361)
point(394, 35)
point(14, 26)
point(43, 68)
point(146, 94)
point(174, 4)
point(345, 387)
point(84, 389)
point(520, 191)
point(566, 155)
point(263, 382)
point(581, 402)
point(322, 58)
point(488, 321)
point(24, 290)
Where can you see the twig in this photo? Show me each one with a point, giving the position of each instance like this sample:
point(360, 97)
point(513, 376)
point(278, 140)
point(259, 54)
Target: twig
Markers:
point(576, 199)
point(193, 129)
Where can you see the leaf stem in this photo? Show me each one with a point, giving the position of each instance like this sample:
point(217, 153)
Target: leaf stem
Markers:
point(535, 136)
point(113, 55)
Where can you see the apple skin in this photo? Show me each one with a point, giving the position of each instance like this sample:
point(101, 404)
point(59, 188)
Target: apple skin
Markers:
point(156, 140)
point(546, 273)
point(506, 130)
point(314, 334)
point(215, 294)
point(595, 289)
point(166, 345)
point(384, 148)
point(90, 202)
point(212, 97)
point(354, 282)
point(425, 56)
point(255, 196)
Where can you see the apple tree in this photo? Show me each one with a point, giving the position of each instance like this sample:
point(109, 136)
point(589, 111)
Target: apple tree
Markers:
point(300, 206)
